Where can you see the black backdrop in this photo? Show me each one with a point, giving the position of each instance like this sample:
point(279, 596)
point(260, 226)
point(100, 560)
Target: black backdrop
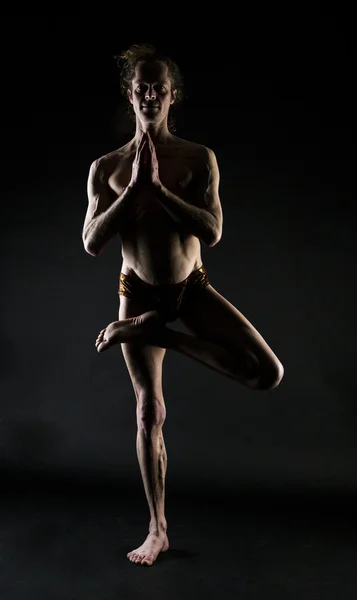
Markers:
point(271, 94)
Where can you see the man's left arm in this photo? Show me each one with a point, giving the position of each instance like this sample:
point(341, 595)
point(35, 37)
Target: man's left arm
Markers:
point(204, 219)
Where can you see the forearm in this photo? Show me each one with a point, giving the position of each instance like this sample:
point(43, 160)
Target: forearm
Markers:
point(194, 220)
point(103, 227)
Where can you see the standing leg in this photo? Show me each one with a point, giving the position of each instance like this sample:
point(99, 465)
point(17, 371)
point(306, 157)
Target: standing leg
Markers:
point(152, 457)
point(144, 364)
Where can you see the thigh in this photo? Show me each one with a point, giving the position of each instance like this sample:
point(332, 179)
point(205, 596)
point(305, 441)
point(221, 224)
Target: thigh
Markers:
point(143, 361)
point(212, 317)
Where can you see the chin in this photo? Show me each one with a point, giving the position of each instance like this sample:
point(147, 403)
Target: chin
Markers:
point(146, 119)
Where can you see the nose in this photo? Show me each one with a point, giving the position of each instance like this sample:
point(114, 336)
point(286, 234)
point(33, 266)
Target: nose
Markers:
point(150, 95)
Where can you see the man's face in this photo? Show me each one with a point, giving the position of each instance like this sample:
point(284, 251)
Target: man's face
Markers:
point(151, 94)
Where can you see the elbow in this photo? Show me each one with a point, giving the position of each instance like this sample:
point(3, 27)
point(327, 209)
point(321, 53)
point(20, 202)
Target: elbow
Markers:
point(213, 243)
point(91, 252)
point(215, 238)
point(215, 231)
point(209, 242)
point(89, 248)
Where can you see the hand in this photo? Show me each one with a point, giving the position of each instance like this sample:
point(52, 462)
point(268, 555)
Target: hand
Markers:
point(153, 163)
point(145, 167)
point(139, 169)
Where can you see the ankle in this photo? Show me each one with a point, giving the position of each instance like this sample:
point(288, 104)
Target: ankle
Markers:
point(158, 529)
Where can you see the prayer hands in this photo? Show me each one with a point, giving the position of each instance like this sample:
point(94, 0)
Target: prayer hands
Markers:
point(145, 167)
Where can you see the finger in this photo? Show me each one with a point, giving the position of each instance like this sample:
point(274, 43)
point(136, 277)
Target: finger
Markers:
point(142, 141)
point(144, 151)
point(149, 138)
point(152, 145)
point(141, 145)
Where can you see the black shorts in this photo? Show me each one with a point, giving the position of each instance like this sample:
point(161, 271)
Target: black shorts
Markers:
point(169, 299)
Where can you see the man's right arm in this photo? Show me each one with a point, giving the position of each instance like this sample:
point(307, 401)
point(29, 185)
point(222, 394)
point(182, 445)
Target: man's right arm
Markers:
point(105, 214)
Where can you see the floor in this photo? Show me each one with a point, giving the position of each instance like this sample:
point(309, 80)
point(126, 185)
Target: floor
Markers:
point(67, 539)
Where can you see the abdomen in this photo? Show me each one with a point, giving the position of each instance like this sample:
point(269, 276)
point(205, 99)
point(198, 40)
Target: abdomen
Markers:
point(161, 258)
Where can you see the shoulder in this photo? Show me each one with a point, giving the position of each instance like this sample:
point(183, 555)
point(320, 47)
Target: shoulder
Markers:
point(199, 153)
point(208, 158)
point(104, 165)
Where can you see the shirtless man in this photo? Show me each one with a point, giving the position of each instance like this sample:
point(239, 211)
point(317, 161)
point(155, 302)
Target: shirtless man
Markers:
point(160, 194)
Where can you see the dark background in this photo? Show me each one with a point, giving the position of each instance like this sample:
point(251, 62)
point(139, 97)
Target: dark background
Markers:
point(252, 476)
point(271, 94)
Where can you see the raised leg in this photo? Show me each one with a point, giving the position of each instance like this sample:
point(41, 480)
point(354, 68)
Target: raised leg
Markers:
point(230, 362)
point(238, 366)
point(224, 340)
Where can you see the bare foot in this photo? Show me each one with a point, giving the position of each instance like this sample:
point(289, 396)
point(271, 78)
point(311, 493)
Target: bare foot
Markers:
point(148, 552)
point(128, 330)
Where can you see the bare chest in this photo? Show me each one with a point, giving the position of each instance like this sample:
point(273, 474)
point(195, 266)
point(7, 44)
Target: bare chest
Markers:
point(176, 174)
point(153, 243)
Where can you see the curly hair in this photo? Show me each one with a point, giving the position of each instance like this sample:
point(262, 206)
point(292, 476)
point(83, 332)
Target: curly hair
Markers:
point(127, 62)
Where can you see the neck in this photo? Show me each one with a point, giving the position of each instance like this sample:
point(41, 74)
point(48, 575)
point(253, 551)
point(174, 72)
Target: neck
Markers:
point(159, 132)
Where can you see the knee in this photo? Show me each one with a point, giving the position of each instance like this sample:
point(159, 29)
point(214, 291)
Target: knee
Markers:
point(269, 377)
point(150, 411)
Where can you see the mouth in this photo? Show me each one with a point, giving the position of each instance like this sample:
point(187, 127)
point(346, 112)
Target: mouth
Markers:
point(150, 107)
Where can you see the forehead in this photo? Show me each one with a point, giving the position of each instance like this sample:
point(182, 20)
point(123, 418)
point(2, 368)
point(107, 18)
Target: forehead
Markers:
point(150, 71)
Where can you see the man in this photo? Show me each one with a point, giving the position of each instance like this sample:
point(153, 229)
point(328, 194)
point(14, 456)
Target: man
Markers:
point(160, 193)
